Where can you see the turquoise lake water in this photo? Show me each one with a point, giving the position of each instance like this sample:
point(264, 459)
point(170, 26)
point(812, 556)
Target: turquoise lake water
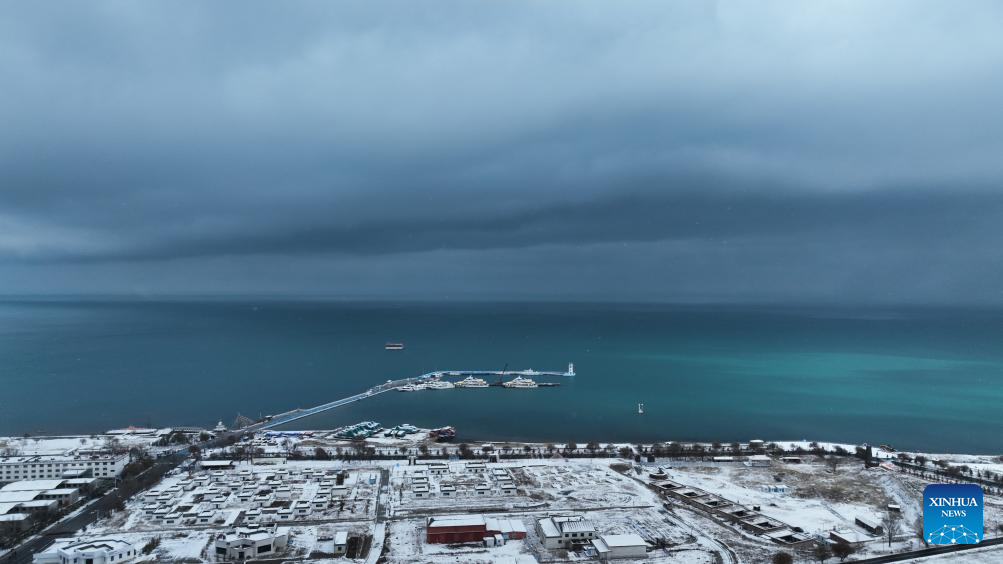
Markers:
point(919, 379)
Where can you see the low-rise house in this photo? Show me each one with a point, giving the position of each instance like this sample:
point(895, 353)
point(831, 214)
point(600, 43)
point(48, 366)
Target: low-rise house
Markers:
point(563, 531)
point(869, 525)
point(96, 551)
point(615, 547)
point(245, 543)
point(13, 523)
point(852, 538)
point(340, 542)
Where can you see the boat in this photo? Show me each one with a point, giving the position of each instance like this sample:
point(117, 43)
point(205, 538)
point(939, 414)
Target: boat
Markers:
point(394, 346)
point(443, 434)
point(439, 385)
point(471, 382)
point(640, 409)
point(520, 382)
point(411, 387)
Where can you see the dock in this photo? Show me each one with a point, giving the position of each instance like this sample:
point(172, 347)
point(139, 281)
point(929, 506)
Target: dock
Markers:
point(390, 385)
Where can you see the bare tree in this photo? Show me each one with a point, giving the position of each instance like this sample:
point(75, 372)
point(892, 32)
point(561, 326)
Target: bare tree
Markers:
point(843, 551)
point(833, 463)
point(892, 526)
point(822, 551)
point(783, 558)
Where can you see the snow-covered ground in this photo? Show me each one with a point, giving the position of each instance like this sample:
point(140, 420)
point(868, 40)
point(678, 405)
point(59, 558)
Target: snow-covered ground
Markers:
point(614, 493)
point(66, 445)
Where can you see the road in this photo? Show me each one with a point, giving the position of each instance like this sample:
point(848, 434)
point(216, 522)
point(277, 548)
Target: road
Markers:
point(932, 551)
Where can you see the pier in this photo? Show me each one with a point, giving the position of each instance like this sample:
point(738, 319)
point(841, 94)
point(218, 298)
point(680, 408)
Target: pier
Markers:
point(389, 385)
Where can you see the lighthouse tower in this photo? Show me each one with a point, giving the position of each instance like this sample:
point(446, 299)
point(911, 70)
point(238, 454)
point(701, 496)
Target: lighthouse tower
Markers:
point(571, 369)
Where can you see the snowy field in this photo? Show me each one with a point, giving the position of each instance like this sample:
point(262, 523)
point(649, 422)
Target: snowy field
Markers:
point(67, 445)
point(814, 497)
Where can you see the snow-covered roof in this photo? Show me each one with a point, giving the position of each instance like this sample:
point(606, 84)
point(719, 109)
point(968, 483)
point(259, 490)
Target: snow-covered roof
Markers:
point(13, 517)
point(17, 497)
point(851, 537)
point(32, 485)
point(341, 537)
point(629, 539)
point(456, 521)
point(573, 524)
point(548, 528)
point(505, 525)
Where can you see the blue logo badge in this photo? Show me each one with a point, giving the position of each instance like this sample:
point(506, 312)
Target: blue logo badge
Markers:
point(952, 514)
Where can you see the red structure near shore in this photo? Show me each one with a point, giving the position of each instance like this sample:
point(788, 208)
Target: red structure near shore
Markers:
point(471, 528)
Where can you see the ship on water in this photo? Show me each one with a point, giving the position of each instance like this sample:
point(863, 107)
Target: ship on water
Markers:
point(439, 385)
point(471, 382)
point(520, 382)
point(412, 387)
point(394, 346)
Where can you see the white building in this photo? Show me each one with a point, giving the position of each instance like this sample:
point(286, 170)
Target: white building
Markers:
point(50, 467)
point(247, 543)
point(40, 490)
point(96, 551)
point(14, 522)
point(613, 547)
point(562, 531)
point(340, 542)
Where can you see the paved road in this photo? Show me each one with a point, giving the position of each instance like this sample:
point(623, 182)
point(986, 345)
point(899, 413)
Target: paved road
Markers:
point(23, 554)
point(932, 551)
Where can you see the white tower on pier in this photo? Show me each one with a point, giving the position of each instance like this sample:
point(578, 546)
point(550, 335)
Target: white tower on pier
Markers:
point(571, 369)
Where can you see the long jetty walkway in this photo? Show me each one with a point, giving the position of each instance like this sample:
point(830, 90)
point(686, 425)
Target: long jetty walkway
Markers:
point(389, 385)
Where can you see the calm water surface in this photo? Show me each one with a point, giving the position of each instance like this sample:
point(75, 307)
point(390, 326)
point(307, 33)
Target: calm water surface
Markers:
point(919, 379)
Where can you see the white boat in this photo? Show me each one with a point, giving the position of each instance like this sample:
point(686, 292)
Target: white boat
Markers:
point(411, 387)
point(439, 385)
point(640, 409)
point(519, 382)
point(471, 382)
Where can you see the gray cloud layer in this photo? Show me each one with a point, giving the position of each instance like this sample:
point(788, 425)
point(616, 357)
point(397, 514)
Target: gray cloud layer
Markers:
point(672, 151)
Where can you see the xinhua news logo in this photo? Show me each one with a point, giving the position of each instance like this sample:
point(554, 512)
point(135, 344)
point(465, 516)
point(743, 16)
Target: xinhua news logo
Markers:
point(952, 514)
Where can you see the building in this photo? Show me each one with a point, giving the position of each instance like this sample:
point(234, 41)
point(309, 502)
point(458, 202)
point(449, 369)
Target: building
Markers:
point(340, 542)
point(852, 538)
point(14, 522)
point(453, 529)
point(40, 490)
point(614, 547)
point(49, 467)
point(563, 531)
point(869, 525)
point(97, 551)
point(508, 529)
point(245, 543)
point(760, 460)
point(472, 528)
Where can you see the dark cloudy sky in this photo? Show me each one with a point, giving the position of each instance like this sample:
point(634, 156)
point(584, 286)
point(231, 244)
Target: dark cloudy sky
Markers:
point(677, 151)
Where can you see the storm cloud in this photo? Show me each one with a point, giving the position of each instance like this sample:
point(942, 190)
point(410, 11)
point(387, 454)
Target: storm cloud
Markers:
point(677, 151)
